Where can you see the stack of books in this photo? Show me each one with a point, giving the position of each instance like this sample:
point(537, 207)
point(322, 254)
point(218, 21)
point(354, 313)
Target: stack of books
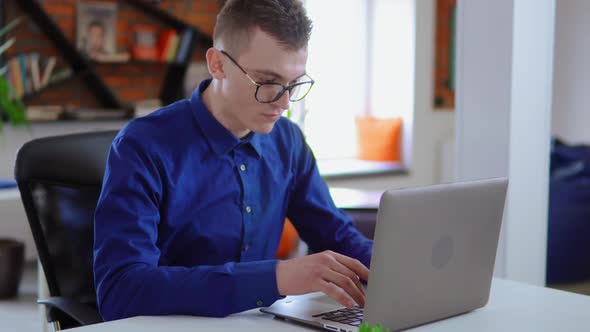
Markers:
point(169, 46)
point(28, 73)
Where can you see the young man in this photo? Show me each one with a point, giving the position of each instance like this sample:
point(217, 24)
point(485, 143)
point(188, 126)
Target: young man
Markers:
point(195, 195)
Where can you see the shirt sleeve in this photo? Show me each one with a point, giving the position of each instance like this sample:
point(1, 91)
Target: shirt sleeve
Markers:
point(311, 209)
point(129, 281)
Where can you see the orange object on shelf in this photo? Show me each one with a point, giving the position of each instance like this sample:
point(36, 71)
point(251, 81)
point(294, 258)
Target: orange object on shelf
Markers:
point(379, 139)
point(145, 45)
point(289, 240)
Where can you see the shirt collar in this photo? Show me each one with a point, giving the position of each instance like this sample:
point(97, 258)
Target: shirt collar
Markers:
point(221, 140)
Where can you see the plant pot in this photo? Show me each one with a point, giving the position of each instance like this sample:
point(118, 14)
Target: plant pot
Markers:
point(379, 139)
point(12, 255)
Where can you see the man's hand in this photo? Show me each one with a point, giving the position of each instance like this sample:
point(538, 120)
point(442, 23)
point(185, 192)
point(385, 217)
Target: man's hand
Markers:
point(327, 272)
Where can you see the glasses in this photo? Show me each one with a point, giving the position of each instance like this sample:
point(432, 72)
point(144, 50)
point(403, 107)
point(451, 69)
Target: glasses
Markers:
point(270, 92)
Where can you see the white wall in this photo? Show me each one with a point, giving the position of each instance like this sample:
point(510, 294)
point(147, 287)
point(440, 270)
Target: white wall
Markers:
point(571, 110)
point(530, 124)
point(432, 129)
point(504, 76)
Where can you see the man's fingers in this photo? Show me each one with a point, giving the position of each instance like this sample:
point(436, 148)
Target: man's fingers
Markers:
point(340, 268)
point(353, 264)
point(346, 284)
point(336, 293)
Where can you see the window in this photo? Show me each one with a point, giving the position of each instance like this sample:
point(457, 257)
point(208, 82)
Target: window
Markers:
point(338, 64)
point(361, 55)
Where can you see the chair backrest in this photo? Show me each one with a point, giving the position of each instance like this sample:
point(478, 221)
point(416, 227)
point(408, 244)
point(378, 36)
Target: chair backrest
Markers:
point(60, 179)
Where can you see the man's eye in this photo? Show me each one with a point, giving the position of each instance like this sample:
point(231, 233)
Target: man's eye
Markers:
point(267, 80)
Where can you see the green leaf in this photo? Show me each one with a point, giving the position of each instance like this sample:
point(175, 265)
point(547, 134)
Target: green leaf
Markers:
point(364, 327)
point(13, 108)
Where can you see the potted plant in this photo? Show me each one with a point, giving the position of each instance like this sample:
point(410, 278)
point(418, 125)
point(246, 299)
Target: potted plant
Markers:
point(11, 107)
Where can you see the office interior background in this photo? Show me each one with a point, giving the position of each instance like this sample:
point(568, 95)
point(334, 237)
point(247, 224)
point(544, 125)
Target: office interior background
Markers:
point(455, 91)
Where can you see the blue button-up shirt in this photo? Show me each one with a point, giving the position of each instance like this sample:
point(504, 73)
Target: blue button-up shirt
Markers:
point(190, 217)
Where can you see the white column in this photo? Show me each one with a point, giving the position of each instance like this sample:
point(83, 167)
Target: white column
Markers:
point(504, 76)
point(482, 103)
point(530, 129)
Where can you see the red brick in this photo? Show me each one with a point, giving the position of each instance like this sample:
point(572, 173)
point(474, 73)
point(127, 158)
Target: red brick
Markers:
point(60, 8)
point(117, 81)
point(132, 94)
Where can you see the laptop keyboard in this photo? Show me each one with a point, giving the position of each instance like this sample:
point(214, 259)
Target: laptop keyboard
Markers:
point(350, 316)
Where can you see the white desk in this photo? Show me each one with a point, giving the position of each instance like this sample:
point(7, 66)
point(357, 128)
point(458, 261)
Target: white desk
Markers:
point(512, 307)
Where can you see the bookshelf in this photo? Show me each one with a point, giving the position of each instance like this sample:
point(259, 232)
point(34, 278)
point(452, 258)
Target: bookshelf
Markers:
point(53, 84)
point(86, 69)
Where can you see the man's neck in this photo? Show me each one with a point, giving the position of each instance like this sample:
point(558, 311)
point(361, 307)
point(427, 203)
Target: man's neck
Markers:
point(211, 98)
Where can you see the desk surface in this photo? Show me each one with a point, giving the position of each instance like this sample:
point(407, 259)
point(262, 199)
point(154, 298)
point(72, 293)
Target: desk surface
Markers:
point(513, 307)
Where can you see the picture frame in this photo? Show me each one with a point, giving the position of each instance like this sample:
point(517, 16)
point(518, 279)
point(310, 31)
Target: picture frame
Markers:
point(96, 27)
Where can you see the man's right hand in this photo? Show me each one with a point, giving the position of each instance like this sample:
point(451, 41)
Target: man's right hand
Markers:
point(326, 272)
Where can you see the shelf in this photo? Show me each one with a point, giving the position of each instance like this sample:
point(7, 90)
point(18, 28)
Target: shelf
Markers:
point(75, 59)
point(138, 62)
point(53, 84)
point(172, 86)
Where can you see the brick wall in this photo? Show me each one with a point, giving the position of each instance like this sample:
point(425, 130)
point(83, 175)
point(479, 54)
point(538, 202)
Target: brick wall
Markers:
point(129, 81)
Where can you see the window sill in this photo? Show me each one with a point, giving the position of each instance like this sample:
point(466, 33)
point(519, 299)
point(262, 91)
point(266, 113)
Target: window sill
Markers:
point(350, 168)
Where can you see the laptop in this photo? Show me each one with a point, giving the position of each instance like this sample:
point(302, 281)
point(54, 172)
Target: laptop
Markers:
point(433, 258)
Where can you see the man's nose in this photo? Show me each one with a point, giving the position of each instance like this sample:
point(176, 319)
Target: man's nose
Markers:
point(283, 102)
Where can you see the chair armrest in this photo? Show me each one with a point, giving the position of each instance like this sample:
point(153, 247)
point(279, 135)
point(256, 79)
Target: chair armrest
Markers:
point(79, 312)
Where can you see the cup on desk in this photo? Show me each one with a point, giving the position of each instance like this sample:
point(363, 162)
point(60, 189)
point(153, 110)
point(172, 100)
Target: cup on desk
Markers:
point(12, 255)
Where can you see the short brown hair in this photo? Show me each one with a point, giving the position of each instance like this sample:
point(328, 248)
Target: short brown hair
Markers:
point(285, 20)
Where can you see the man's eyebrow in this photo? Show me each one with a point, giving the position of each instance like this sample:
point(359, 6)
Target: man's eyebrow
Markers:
point(274, 74)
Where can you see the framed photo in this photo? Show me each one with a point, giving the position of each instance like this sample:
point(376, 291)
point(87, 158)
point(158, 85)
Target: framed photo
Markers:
point(444, 66)
point(96, 26)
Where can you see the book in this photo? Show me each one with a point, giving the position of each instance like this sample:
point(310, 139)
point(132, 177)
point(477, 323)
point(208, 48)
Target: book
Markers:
point(165, 41)
point(185, 43)
point(17, 80)
point(171, 48)
point(96, 24)
point(145, 46)
point(23, 74)
point(49, 66)
point(35, 72)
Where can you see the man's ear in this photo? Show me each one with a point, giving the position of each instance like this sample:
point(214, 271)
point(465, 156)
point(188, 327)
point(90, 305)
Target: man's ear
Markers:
point(215, 63)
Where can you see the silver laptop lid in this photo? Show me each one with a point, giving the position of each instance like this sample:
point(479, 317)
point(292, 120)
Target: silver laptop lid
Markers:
point(434, 252)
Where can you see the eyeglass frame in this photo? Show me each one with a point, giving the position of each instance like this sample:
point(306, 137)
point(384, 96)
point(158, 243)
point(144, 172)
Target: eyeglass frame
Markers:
point(259, 84)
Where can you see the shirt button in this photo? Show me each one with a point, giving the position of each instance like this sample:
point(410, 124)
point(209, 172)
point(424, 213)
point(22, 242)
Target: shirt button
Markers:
point(248, 209)
point(243, 167)
point(259, 303)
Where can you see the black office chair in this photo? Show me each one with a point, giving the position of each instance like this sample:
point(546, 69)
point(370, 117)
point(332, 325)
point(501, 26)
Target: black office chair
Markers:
point(60, 179)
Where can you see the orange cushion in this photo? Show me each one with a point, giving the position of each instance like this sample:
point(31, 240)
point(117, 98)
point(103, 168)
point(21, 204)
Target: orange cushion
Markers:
point(379, 139)
point(289, 241)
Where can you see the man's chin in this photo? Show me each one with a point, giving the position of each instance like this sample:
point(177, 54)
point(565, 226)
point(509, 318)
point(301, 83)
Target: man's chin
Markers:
point(263, 129)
